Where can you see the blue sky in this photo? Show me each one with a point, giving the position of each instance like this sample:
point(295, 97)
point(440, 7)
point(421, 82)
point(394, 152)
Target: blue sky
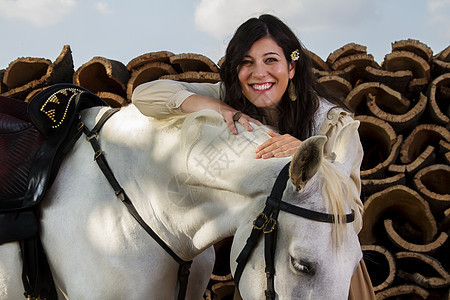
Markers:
point(124, 29)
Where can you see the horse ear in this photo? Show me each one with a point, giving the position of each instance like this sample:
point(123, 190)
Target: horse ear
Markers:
point(306, 160)
point(348, 148)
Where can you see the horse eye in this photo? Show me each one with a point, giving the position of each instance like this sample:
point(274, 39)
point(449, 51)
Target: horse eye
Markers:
point(302, 266)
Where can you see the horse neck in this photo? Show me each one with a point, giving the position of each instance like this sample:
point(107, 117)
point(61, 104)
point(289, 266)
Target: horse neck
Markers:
point(192, 196)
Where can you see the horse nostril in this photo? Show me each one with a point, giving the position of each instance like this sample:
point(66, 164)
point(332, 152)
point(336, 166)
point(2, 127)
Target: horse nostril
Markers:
point(302, 266)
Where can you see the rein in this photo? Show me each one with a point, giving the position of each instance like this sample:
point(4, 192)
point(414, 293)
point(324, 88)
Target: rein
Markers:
point(91, 136)
point(266, 222)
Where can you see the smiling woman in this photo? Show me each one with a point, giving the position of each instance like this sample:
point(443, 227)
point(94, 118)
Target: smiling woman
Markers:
point(264, 75)
point(266, 79)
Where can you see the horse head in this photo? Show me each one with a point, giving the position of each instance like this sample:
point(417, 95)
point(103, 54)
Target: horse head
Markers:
point(313, 259)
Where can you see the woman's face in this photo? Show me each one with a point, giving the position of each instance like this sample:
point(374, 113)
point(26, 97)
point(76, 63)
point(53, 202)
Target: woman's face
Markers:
point(264, 73)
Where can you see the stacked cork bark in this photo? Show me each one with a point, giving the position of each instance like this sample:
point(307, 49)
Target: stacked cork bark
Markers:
point(403, 105)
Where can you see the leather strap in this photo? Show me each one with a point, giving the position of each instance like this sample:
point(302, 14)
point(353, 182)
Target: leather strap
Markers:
point(259, 224)
point(266, 222)
point(91, 135)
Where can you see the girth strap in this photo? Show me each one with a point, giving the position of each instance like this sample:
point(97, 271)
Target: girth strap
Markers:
point(91, 135)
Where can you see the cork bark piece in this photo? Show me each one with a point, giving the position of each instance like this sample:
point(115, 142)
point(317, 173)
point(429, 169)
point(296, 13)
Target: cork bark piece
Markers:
point(415, 47)
point(361, 61)
point(416, 86)
point(23, 70)
point(147, 58)
point(412, 260)
point(423, 136)
point(444, 223)
point(402, 201)
point(223, 290)
point(432, 183)
point(391, 100)
point(405, 60)
point(148, 72)
point(2, 85)
point(346, 50)
point(112, 99)
point(398, 80)
point(192, 76)
point(412, 291)
point(439, 67)
point(381, 265)
point(194, 62)
point(102, 75)
point(439, 100)
point(444, 152)
point(381, 146)
point(440, 64)
point(444, 55)
point(221, 271)
point(371, 186)
point(400, 122)
point(207, 295)
point(425, 159)
point(221, 61)
point(318, 63)
point(346, 74)
point(336, 85)
point(26, 74)
point(397, 240)
point(33, 93)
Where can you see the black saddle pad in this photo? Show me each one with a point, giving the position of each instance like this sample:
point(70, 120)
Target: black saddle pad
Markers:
point(31, 136)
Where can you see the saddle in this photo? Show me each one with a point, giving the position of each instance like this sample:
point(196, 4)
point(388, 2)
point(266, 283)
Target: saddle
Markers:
point(34, 139)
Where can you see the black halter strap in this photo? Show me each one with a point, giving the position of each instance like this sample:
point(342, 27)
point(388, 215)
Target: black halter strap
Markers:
point(266, 222)
point(91, 135)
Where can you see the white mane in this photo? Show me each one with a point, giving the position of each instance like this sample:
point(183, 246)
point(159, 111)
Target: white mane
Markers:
point(341, 197)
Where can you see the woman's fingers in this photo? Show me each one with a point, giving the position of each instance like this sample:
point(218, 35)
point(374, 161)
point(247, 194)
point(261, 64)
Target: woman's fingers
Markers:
point(231, 118)
point(277, 146)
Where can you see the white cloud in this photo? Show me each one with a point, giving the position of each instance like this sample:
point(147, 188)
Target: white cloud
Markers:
point(103, 8)
point(439, 17)
point(220, 18)
point(38, 12)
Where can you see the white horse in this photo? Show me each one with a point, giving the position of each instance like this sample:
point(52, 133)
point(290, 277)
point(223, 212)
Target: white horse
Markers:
point(194, 187)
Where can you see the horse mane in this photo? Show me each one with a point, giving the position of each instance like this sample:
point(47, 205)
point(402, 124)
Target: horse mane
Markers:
point(341, 196)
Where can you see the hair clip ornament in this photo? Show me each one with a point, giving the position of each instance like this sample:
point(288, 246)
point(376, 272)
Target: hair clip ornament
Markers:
point(295, 55)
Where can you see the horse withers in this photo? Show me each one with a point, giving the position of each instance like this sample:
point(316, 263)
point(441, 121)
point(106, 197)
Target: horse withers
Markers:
point(193, 186)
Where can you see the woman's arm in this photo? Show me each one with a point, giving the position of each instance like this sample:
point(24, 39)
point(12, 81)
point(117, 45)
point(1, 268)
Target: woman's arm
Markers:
point(163, 98)
point(166, 98)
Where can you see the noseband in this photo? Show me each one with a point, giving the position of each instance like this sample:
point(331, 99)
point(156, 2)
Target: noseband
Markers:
point(266, 222)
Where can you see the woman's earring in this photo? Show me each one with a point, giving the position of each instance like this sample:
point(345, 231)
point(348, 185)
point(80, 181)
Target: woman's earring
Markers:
point(291, 91)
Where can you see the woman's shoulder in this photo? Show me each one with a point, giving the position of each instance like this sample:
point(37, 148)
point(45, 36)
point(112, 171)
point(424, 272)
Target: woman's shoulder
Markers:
point(329, 113)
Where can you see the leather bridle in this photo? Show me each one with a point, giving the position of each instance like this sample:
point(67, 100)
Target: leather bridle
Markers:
point(266, 222)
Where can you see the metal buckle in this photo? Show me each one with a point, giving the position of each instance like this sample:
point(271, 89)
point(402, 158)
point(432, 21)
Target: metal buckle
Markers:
point(90, 137)
point(80, 126)
point(262, 217)
point(98, 154)
point(272, 227)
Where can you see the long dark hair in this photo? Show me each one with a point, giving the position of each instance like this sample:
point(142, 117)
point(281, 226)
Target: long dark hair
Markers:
point(296, 117)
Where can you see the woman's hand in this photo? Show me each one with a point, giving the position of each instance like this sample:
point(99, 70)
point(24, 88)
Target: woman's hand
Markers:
point(196, 102)
point(229, 117)
point(277, 146)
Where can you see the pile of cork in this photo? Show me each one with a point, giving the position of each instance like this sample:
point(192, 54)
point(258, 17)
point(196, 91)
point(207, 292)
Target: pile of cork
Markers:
point(403, 105)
